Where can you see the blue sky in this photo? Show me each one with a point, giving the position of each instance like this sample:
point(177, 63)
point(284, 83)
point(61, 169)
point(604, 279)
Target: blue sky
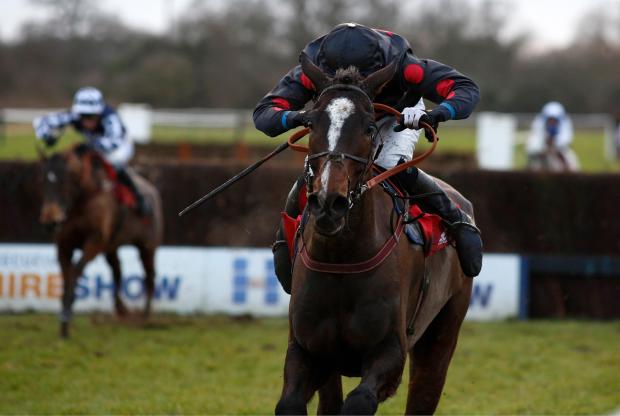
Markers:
point(550, 23)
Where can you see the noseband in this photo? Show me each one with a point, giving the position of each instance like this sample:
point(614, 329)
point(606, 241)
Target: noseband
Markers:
point(355, 193)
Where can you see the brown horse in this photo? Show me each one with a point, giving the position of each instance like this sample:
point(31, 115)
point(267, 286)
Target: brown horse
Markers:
point(79, 200)
point(362, 324)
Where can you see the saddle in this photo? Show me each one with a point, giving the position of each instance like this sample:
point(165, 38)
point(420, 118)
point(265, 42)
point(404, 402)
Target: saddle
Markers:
point(423, 229)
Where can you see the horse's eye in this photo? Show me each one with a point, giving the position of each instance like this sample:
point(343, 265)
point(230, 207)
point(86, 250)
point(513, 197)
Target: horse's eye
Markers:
point(371, 130)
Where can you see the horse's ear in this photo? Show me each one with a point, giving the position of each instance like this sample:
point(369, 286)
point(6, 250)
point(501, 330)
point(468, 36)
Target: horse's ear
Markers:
point(378, 79)
point(313, 72)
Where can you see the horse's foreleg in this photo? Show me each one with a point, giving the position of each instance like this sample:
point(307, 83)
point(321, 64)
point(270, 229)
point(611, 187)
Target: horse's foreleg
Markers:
point(330, 396)
point(65, 253)
point(430, 356)
point(381, 376)
point(302, 377)
point(147, 256)
point(112, 259)
point(71, 273)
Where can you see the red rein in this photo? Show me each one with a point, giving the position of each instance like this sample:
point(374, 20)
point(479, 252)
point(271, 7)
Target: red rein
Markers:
point(388, 173)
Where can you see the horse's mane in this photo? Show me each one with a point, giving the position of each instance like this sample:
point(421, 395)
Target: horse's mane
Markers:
point(93, 161)
point(350, 75)
point(82, 149)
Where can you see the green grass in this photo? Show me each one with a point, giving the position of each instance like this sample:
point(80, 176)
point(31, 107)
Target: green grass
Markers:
point(181, 365)
point(18, 143)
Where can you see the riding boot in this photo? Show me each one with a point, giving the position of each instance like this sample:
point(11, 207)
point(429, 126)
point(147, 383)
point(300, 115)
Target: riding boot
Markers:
point(142, 206)
point(281, 257)
point(460, 225)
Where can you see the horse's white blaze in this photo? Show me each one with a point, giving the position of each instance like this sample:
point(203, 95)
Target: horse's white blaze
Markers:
point(325, 177)
point(51, 177)
point(338, 111)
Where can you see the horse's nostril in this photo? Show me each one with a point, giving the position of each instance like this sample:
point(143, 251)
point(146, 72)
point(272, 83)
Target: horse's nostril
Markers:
point(339, 206)
point(313, 203)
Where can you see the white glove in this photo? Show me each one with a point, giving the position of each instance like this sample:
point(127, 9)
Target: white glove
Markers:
point(411, 117)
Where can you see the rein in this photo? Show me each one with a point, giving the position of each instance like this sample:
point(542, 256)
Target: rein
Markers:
point(389, 245)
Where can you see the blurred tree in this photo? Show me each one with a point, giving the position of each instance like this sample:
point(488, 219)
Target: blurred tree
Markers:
point(69, 17)
point(583, 76)
point(228, 54)
point(232, 51)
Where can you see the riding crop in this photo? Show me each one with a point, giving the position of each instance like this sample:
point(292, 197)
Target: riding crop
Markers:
point(290, 144)
point(241, 174)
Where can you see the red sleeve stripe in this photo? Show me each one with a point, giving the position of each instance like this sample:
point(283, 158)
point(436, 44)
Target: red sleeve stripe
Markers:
point(414, 74)
point(444, 88)
point(387, 32)
point(305, 81)
point(281, 103)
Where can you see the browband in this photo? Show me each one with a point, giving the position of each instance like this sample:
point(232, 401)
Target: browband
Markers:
point(345, 87)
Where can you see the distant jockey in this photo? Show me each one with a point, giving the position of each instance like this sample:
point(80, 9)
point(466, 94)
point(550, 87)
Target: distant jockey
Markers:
point(103, 130)
point(369, 50)
point(548, 146)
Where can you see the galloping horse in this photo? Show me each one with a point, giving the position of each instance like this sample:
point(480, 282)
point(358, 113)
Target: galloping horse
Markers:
point(357, 321)
point(80, 200)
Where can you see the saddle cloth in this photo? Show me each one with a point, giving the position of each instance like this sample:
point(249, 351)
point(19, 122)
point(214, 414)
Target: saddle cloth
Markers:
point(122, 192)
point(428, 230)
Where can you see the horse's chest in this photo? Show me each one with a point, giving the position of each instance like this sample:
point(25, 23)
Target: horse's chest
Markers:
point(340, 321)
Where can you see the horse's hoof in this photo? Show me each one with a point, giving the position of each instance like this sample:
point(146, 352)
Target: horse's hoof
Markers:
point(291, 406)
point(64, 330)
point(360, 402)
point(121, 310)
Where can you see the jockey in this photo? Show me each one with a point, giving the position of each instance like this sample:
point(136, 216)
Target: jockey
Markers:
point(103, 130)
point(551, 135)
point(370, 50)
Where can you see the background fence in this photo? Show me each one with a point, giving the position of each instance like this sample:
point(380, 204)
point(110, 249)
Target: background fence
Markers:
point(566, 238)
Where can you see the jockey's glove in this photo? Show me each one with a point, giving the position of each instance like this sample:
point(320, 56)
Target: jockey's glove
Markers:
point(412, 117)
point(296, 119)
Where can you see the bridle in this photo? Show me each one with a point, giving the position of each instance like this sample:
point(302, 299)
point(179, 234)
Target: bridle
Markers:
point(355, 192)
point(386, 174)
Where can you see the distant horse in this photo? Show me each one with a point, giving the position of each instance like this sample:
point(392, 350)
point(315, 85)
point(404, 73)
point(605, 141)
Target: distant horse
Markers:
point(553, 159)
point(349, 316)
point(81, 200)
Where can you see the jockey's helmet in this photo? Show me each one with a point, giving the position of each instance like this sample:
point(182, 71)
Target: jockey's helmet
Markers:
point(351, 44)
point(553, 109)
point(88, 100)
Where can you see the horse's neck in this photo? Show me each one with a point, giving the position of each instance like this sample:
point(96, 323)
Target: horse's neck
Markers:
point(363, 234)
point(94, 184)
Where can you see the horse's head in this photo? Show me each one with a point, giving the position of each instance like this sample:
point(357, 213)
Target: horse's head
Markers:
point(342, 140)
point(66, 178)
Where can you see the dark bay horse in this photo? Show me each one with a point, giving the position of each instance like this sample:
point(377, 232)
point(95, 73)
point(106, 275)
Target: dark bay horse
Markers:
point(79, 200)
point(363, 323)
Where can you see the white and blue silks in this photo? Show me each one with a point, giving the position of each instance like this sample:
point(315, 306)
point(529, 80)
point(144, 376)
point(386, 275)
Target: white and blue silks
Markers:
point(109, 139)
